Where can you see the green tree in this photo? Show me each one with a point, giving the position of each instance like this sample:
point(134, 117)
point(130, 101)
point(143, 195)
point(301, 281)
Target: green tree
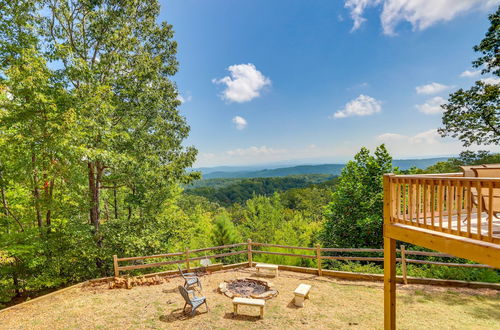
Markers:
point(473, 115)
point(224, 232)
point(354, 217)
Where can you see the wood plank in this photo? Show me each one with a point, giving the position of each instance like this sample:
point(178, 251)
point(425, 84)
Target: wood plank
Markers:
point(448, 264)
point(284, 246)
point(417, 203)
point(479, 207)
point(389, 284)
point(285, 254)
point(462, 247)
point(440, 204)
point(410, 198)
point(449, 206)
point(469, 208)
point(433, 202)
point(490, 212)
point(350, 250)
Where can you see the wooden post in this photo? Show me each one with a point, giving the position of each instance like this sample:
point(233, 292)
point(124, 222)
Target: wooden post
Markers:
point(249, 250)
point(389, 263)
point(187, 260)
point(115, 266)
point(403, 264)
point(318, 259)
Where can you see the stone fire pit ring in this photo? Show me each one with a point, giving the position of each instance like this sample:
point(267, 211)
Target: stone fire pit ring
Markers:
point(248, 288)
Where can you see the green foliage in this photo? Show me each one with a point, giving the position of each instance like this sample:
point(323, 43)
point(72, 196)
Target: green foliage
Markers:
point(489, 47)
point(473, 115)
point(354, 217)
point(454, 273)
point(229, 191)
point(224, 232)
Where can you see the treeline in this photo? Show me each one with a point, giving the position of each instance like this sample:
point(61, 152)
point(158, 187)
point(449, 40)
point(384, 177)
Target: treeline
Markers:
point(229, 191)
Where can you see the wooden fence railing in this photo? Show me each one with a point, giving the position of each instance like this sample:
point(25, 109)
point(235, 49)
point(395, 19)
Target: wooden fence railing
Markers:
point(187, 256)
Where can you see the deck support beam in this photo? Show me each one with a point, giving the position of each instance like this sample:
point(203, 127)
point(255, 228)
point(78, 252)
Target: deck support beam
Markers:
point(389, 283)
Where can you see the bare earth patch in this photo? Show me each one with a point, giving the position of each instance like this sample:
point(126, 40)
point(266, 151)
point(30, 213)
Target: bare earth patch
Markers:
point(333, 304)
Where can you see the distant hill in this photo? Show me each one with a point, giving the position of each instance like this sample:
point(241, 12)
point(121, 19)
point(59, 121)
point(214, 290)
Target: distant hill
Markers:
point(330, 169)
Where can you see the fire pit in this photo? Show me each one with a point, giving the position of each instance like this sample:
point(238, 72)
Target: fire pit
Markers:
point(248, 288)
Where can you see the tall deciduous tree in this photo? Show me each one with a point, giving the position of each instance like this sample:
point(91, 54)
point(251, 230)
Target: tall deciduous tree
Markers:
point(473, 115)
point(117, 62)
point(354, 217)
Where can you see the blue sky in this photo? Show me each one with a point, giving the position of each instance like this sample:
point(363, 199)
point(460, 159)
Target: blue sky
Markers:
point(296, 81)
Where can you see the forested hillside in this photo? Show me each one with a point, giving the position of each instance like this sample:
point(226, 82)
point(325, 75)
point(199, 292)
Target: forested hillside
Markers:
point(229, 191)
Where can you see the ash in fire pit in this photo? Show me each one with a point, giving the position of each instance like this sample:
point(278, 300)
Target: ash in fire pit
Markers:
point(248, 288)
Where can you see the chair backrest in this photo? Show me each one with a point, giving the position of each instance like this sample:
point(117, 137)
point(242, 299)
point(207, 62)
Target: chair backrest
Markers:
point(490, 172)
point(184, 294)
point(487, 172)
point(180, 271)
point(469, 170)
point(491, 165)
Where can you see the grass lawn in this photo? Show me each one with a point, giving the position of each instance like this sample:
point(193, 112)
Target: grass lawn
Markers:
point(333, 304)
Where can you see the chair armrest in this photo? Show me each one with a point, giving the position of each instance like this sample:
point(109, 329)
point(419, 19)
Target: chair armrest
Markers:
point(189, 274)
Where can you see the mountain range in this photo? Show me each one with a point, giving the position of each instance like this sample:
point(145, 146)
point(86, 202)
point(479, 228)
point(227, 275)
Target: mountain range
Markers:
point(271, 171)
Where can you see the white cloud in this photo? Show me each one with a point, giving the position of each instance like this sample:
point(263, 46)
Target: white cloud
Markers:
point(240, 122)
point(363, 105)
point(470, 74)
point(244, 84)
point(428, 143)
point(432, 88)
point(183, 99)
point(432, 106)
point(491, 81)
point(357, 7)
point(421, 14)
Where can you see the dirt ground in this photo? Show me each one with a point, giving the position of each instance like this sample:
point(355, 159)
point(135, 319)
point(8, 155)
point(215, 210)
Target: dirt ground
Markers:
point(333, 304)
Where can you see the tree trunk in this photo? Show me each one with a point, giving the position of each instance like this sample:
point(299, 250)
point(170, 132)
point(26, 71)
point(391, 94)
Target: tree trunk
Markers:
point(36, 192)
point(94, 195)
point(15, 280)
point(115, 202)
point(49, 189)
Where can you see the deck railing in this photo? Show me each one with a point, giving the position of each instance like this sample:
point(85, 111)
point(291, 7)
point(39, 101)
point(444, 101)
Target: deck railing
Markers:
point(448, 203)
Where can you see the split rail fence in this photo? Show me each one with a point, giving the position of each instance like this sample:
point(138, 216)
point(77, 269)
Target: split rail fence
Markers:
point(189, 256)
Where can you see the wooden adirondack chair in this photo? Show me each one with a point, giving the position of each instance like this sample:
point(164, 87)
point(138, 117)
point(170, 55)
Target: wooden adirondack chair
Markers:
point(194, 302)
point(488, 172)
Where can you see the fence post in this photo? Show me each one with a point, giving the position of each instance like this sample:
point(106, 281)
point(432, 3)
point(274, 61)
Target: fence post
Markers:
point(187, 260)
point(318, 259)
point(403, 264)
point(115, 266)
point(249, 250)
